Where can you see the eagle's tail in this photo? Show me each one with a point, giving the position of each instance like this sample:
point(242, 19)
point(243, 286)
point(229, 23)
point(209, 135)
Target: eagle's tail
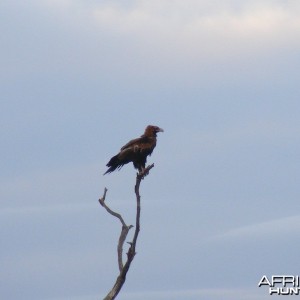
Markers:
point(113, 164)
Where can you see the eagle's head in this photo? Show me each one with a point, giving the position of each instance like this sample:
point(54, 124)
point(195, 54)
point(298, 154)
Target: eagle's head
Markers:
point(152, 130)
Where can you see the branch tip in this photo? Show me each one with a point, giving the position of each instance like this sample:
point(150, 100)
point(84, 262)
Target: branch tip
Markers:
point(101, 200)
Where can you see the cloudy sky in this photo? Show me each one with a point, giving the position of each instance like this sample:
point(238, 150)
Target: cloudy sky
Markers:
point(79, 78)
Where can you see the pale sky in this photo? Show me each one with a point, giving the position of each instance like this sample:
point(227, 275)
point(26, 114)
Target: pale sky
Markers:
point(220, 209)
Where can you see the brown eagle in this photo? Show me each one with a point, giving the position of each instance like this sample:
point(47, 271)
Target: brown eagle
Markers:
point(135, 151)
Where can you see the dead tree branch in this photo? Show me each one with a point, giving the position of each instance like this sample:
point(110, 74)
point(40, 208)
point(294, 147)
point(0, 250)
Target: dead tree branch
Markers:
point(125, 229)
point(124, 232)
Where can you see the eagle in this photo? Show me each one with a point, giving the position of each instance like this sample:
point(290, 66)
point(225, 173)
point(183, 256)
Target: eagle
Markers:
point(135, 151)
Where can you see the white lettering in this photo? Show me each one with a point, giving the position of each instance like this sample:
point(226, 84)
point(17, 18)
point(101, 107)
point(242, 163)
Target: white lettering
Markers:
point(284, 291)
point(277, 279)
point(289, 279)
point(294, 291)
point(274, 290)
point(282, 284)
point(264, 281)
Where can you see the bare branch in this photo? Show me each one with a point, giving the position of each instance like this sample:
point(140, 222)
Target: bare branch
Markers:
point(102, 202)
point(131, 251)
point(124, 232)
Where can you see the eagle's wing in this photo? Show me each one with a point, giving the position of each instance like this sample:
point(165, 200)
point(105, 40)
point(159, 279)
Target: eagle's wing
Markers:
point(136, 143)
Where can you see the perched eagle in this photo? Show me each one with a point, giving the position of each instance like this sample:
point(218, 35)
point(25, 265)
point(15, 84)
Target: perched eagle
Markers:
point(135, 151)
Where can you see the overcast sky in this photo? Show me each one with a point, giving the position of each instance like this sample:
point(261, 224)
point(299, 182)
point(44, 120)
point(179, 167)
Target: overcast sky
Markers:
point(80, 78)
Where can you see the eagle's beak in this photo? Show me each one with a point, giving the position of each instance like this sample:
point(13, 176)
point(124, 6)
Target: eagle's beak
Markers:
point(160, 130)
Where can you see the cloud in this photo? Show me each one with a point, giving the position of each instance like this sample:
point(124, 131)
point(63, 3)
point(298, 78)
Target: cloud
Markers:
point(208, 293)
point(193, 15)
point(176, 30)
point(224, 294)
point(283, 227)
point(30, 211)
point(192, 20)
point(184, 39)
point(76, 297)
point(49, 189)
point(131, 42)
